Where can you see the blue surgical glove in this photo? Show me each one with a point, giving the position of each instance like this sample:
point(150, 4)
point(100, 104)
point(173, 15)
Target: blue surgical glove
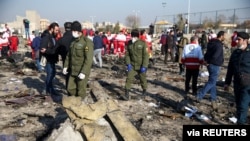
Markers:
point(129, 67)
point(143, 69)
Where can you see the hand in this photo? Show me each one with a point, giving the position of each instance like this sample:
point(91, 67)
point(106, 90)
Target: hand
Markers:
point(65, 71)
point(81, 76)
point(43, 50)
point(226, 88)
point(205, 63)
point(129, 67)
point(143, 69)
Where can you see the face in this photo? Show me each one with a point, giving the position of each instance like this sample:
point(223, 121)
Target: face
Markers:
point(240, 42)
point(223, 37)
point(55, 30)
point(75, 34)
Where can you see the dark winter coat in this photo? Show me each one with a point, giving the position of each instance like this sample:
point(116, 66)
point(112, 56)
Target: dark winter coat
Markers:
point(214, 54)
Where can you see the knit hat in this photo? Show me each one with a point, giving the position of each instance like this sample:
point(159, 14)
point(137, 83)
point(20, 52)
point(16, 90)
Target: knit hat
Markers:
point(76, 26)
point(243, 35)
point(67, 25)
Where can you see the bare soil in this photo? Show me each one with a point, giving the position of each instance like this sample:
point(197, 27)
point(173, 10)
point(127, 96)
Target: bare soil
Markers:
point(26, 114)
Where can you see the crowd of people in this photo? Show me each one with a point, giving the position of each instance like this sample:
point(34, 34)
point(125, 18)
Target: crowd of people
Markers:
point(80, 50)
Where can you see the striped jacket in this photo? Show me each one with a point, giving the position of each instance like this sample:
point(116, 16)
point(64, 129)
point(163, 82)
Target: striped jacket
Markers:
point(192, 56)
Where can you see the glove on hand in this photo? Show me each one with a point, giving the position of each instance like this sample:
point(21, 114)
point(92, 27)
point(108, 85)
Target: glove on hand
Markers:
point(65, 71)
point(129, 67)
point(81, 76)
point(143, 69)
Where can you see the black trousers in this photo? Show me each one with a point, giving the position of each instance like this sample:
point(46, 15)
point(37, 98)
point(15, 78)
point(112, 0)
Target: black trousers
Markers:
point(191, 74)
point(4, 51)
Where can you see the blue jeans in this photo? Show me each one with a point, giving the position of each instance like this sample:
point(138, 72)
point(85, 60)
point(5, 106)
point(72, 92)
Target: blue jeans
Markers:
point(210, 86)
point(27, 33)
point(51, 72)
point(38, 65)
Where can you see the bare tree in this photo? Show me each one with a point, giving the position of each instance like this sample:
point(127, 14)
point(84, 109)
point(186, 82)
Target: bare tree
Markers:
point(116, 28)
point(220, 19)
point(234, 19)
point(208, 23)
point(245, 24)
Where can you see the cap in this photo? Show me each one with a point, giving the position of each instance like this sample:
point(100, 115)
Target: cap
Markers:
point(76, 26)
point(243, 35)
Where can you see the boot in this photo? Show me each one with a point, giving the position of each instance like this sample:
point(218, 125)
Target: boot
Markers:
point(126, 97)
point(144, 93)
point(182, 69)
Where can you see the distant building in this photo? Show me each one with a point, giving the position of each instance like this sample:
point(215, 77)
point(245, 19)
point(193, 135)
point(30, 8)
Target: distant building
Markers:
point(87, 25)
point(226, 26)
point(36, 23)
point(44, 23)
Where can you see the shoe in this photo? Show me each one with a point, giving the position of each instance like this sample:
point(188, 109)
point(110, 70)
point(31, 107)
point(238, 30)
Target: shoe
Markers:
point(214, 105)
point(126, 97)
point(197, 100)
point(94, 65)
point(194, 93)
point(144, 93)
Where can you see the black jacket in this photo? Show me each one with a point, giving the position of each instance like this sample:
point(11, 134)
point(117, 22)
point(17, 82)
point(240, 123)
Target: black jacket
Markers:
point(64, 44)
point(239, 62)
point(214, 54)
point(49, 43)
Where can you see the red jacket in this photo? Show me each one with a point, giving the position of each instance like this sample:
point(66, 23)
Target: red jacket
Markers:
point(14, 41)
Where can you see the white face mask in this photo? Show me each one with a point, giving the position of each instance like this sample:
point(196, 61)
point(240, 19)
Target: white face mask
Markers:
point(241, 47)
point(134, 39)
point(75, 34)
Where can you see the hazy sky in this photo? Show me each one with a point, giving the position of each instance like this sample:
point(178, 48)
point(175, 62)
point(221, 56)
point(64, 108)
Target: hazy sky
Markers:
point(112, 10)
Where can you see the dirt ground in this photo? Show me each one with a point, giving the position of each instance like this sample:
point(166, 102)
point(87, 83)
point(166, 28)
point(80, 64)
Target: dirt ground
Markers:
point(28, 115)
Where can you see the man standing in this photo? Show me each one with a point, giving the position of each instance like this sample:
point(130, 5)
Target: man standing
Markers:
point(204, 41)
point(192, 58)
point(163, 42)
point(26, 23)
point(239, 70)
point(181, 44)
point(65, 41)
point(98, 45)
point(137, 60)
point(79, 60)
point(214, 58)
point(170, 47)
point(64, 44)
point(36, 42)
point(48, 49)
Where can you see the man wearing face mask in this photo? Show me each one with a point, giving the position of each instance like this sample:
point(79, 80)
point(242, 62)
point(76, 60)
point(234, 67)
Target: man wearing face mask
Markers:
point(239, 70)
point(48, 49)
point(137, 60)
point(79, 61)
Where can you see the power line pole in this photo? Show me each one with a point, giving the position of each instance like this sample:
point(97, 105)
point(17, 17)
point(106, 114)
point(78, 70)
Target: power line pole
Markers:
point(92, 20)
point(136, 17)
point(188, 17)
